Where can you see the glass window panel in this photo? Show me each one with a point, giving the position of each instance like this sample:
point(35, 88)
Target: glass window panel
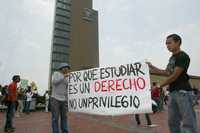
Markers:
point(63, 6)
point(62, 26)
point(63, 13)
point(63, 19)
point(61, 41)
point(61, 33)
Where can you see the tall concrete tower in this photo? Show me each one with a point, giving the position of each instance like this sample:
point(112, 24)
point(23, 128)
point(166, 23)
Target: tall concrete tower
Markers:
point(75, 35)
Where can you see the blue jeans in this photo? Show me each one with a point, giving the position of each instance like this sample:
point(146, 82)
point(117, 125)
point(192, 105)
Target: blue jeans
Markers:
point(27, 106)
point(158, 101)
point(181, 110)
point(59, 108)
point(10, 114)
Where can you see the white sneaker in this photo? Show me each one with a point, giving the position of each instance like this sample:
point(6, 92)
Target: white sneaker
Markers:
point(17, 115)
point(152, 125)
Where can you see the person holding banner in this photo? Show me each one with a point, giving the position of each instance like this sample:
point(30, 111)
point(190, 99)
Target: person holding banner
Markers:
point(59, 98)
point(180, 108)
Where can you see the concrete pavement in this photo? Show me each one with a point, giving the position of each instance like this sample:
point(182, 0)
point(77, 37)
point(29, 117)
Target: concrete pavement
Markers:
point(40, 122)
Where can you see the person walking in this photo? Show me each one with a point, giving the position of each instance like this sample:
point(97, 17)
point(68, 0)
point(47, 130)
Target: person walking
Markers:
point(1, 95)
point(29, 95)
point(46, 95)
point(11, 101)
point(59, 98)
point(20, 97)
point(162, 98)
point(181, 114)
point(155, 94)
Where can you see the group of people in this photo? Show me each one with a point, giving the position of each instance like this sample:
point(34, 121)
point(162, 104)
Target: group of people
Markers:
point(24, 99)
point(159, 96)
point(181, 113)
point(17, 100)
point(10, 100)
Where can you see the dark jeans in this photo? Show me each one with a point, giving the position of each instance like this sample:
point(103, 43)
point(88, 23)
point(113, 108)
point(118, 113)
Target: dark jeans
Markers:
point(27, 106)
point(181, 110)
point(10, 114)
point(158, 101)
point(166, 100)
point(137, 118)
point(59, 108)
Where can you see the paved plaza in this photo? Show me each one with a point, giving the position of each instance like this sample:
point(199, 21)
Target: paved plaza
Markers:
point(40, 122)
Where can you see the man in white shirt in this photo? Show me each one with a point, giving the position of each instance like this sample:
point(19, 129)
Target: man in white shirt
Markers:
point(59, 98)
point(29, 95)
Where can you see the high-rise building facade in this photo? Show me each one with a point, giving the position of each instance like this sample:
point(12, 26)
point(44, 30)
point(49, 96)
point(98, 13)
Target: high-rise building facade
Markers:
point(84, 46)
point(61, 34)
point(75, 35)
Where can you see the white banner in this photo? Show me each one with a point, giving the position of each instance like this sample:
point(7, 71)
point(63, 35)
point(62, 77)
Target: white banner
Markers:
point(111, 90)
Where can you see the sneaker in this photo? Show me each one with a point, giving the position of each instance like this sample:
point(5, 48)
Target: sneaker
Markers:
point(9, 130)
point(152, 125)
point(13, 128)
point(17, 115)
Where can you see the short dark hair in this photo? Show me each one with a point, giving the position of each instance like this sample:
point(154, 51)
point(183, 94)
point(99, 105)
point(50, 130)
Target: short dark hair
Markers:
point(16, 77)
point(29, 88)
point(175, 37)
point(154, 83)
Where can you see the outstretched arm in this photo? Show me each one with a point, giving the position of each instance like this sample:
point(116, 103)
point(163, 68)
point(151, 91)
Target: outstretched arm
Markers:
point(158, 70)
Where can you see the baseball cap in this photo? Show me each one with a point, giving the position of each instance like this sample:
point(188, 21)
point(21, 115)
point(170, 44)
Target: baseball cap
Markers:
point(63, 65)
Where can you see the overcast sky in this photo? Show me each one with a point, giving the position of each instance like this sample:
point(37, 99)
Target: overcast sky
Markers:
point(129, 30)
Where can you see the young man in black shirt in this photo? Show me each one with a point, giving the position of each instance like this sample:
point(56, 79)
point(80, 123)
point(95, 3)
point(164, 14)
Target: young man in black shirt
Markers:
point(180, 101)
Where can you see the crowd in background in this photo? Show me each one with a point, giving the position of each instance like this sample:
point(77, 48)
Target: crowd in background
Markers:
point(160, 96)
point(25, 97)
point(18, 101)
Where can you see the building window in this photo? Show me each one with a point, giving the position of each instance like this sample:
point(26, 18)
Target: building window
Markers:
point(63, 6)
point(61, 49)
point(64, 27)
point(63, 13)
point(55, 65)
point(62, 19)
point(89, 14)
point(60, 57)
point(65, 1)
point(60, 33)
point(61, 41)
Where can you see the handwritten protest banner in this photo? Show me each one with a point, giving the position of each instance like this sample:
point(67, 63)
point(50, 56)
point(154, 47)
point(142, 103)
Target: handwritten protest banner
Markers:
point(110, 90)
